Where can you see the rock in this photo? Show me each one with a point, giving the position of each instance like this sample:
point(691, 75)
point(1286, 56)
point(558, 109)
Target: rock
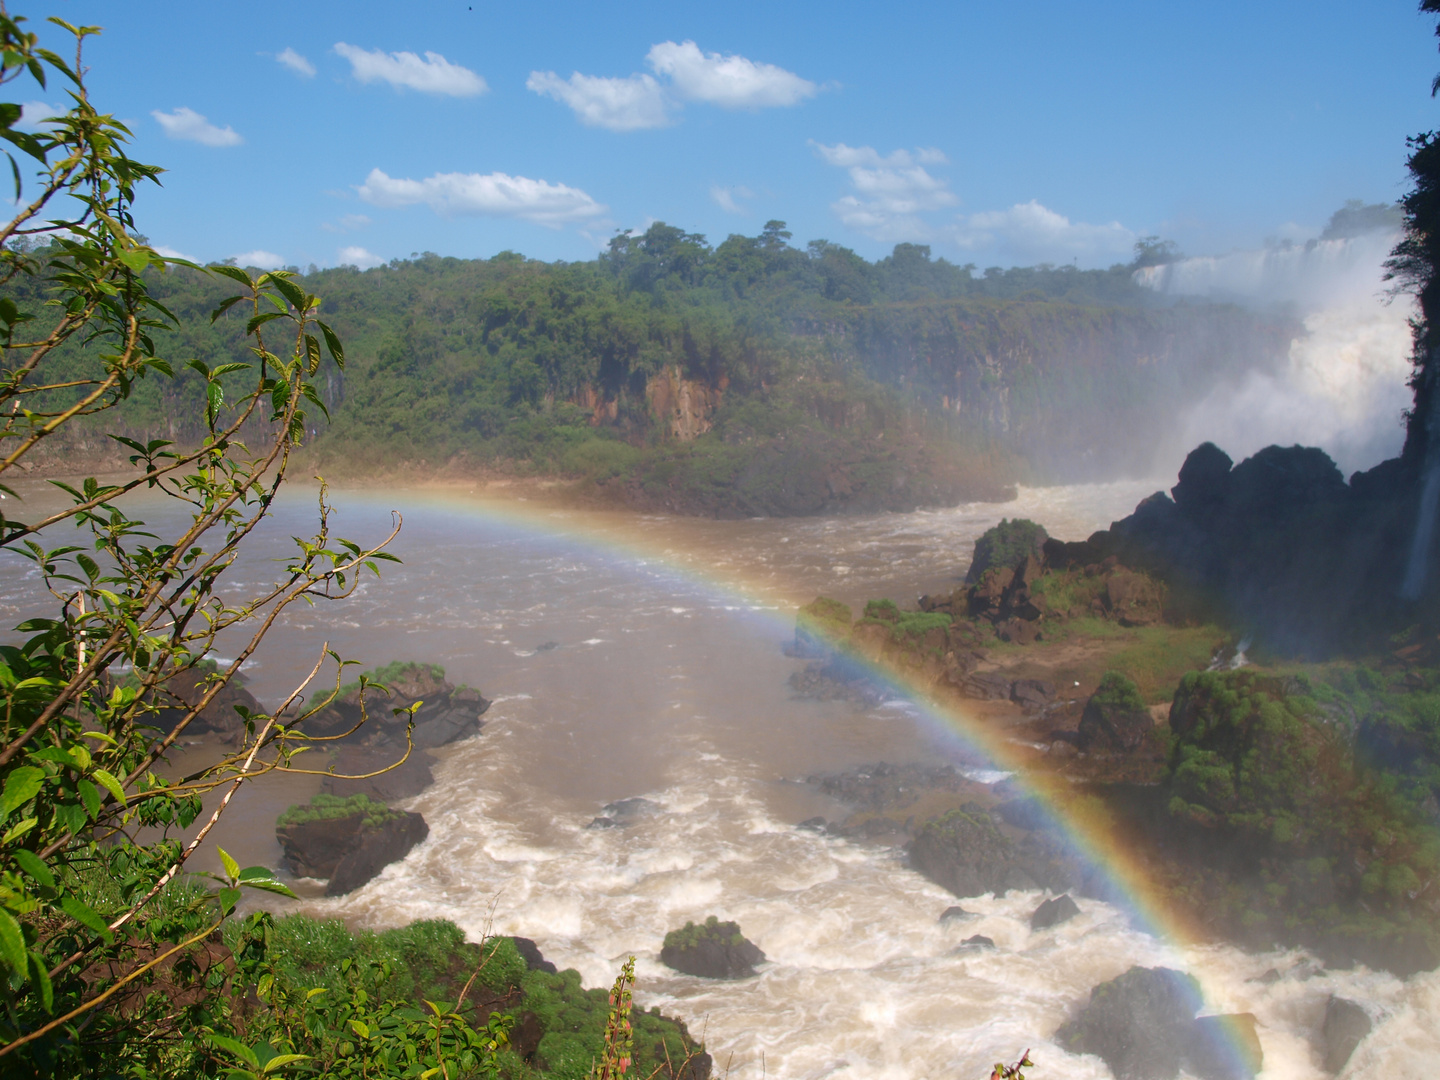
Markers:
point(978, 941)
point(1202, 480)
point(530, 953)
point(1032, 694)
point(953, 912)
point(546, 646)
point(455, 724)
point(1063, 749)
point(986, 685)
point(712, 950)
point(394, 783)
point(457, 711)
point(377, 849)
point(1346, 1023)
point(1132, 598)
point(348, 841)
point(1223, 1048)
point(1140, 1023)
point(185, 689)
point(964, 852)
point(1053, 912)
point(819, 627)
point(1017, 631)
point(814, 824)
point(1116, 717)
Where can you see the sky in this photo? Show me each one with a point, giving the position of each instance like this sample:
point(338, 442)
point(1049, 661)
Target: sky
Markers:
point(999, 134)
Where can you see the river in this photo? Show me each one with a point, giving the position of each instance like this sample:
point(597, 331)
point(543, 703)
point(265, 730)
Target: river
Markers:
point(641, 656)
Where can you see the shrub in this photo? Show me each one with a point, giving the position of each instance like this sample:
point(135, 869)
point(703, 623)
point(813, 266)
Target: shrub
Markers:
point(1004, 545)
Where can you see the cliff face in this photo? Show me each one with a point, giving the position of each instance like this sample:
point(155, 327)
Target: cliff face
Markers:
point(1079, 392)
point(685, 407)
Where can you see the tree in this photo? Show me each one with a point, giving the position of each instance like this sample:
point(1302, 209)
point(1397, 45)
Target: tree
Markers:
point(110, 952)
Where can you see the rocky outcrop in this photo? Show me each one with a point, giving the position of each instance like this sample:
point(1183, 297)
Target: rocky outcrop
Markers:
point(712, 950)
point(1346, 1023)
point(685, 406)
point(444, 712)
point(183, 690)
point(348, 841)
point(1142, 1024)
point(1116, 718)
point(964, 851)
point(1053, 912)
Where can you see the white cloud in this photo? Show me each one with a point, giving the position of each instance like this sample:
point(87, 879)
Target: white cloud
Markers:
point(1032, 232)
point(358, 256)
point(725, 198)
point(171, 253)
point(432, 75)
point(34, 113)
point(296, 63)
point(492, 194)
point(265, 260)
point(732, 82)
point(348, 223)
point(618, 104)
point(187, 124)
point(892, 190)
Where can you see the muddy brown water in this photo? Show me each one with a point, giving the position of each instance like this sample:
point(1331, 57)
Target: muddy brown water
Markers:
point(666, 680)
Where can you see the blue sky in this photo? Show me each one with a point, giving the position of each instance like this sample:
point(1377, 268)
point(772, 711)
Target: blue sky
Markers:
point(997, 133)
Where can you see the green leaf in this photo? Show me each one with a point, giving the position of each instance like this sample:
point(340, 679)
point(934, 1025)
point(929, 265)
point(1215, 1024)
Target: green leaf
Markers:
point(279, 1061)
point(12, 942)
point(270, 885)
point(85, 916)
point(234, 273)
point(257, 321)
point(111, 785)
point(232, 868)
point(360, 1028)
point(332, 343)
point(226, 369)
point(40, 978)
point(33, 865)
point(239, 1049)
point(90, 796)
point(21, 786)
point(288, 289)
point(226, 305)
point(137, 259)
point(228, 899)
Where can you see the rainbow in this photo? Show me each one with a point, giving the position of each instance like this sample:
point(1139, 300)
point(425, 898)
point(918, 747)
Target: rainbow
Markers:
point(622, 539)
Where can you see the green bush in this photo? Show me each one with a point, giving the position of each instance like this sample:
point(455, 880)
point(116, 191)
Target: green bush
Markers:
point(1004, 545)
point(325, 807)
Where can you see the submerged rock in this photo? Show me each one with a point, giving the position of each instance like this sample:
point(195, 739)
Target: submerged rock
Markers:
point(624, 813)
point(712, 950)
point(954, 912)
point(978, 941)
point(1053, 912)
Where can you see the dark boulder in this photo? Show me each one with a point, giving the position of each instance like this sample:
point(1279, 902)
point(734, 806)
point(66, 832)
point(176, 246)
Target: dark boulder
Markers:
point(533, 957)
point(814, 824)
point(1140, 1023)
point(1053, 912)
point(183, 690)
point(954, 912)
point(964, 852)
point(442, 713)
point(712, 950)
point(348, 841)
point(1116, 718)
point(1223, 1048)
point(1346, 1023)
point(1202, 482)
point(1033, 694)
point(354, 765)
point(377, 848)
point(986, 685)
point(977, 941)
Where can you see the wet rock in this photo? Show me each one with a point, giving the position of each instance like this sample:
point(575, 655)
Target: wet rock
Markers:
point(392, 781)
point(443, 713)
point(1032, 694)
point(1017, 631)
point(546, 646)
point(964, 852)
point(1139, 1024)
point(531, 954)
point(711, 950)
point(183, 690)
point(986, 686)
point(883, 788)
point(1223, 1048)
point(978, 941)
point(1346, 1023)
point(954, 912)
point(377, 848)
point(348, 841)
point(624, 813)
point(1053, 912)
point(1116, 718)
point(820, 626)
point(814, 824)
